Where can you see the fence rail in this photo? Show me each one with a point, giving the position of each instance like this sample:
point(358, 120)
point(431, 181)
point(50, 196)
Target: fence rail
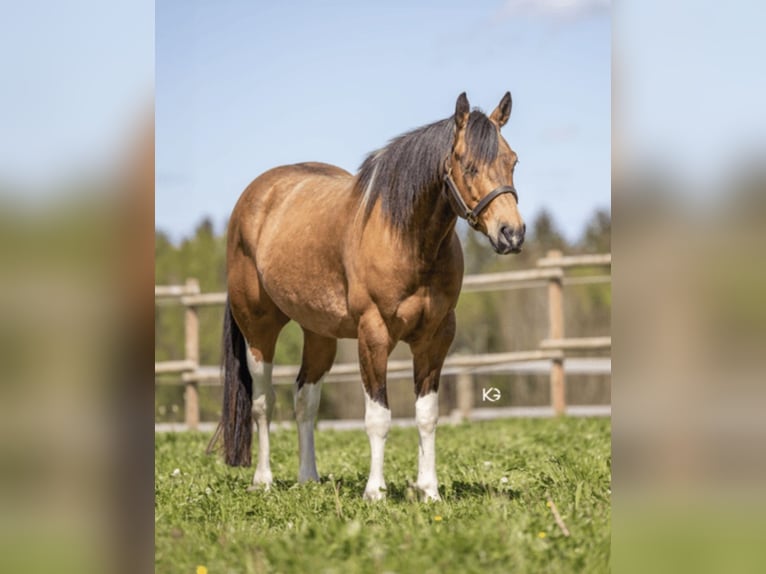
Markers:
point(550, 272)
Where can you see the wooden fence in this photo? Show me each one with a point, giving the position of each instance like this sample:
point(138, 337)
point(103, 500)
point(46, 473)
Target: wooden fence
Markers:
point(550, 273)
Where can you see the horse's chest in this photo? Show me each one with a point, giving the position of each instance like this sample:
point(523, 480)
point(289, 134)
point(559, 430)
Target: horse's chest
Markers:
point(418, 315)
point(411, 304)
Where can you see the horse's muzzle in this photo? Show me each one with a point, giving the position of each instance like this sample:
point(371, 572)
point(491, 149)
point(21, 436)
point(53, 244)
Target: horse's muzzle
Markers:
point(509, 239)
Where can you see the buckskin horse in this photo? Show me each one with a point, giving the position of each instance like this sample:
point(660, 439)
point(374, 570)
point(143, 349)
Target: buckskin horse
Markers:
point(372, 256)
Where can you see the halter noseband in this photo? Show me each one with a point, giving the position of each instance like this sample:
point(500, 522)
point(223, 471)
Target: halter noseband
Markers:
point(458, 203)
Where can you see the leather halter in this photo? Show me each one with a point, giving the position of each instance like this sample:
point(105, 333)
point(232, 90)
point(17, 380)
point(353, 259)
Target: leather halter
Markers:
point(458, 203)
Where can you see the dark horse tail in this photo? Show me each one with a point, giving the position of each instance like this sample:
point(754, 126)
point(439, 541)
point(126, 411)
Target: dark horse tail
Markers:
point(237, 416)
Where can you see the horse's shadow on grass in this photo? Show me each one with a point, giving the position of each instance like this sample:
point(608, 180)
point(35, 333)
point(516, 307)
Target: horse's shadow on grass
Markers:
point(284, 483)
point(404, 491)
point(462, 490)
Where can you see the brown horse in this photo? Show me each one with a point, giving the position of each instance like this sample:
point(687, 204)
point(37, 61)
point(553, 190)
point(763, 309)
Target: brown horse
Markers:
point(374, 257)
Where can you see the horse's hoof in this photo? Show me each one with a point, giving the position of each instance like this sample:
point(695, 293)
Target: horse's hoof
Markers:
point(308, 477)
point(429, 493)
point(431, 497)
point(256, 486)
point(261, 481)
point(374, 493)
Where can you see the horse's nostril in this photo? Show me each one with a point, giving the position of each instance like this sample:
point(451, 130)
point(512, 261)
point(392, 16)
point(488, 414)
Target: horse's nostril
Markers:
point(523, 228)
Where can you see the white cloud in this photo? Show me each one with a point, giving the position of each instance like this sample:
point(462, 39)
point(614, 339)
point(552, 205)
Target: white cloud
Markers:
point(563, 9)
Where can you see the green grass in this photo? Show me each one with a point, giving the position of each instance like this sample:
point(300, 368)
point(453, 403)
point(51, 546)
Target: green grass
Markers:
point(494, 480)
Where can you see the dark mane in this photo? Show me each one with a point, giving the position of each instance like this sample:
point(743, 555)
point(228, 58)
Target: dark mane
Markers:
point(413, 163)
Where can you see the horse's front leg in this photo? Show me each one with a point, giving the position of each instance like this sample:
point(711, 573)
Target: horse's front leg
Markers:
point(374, 346)
point(428, 357)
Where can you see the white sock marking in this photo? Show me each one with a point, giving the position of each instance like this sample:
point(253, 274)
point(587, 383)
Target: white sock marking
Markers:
point(377, 421)
point(306, 403)
point(263, 407)
point(426, 416)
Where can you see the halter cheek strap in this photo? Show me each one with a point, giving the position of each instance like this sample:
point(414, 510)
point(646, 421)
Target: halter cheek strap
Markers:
point(462, 210)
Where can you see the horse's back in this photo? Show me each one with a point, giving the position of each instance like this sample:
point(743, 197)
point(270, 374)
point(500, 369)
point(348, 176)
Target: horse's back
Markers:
point(289, 229)
point(289, 193)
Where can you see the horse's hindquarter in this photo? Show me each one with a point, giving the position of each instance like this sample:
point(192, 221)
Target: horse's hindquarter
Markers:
point(294, 225)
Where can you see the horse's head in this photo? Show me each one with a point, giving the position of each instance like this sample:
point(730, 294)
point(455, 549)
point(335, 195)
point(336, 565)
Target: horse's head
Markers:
point(479, 175)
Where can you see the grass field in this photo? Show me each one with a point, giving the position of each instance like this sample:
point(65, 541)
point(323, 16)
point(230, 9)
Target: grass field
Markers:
point(495, 479)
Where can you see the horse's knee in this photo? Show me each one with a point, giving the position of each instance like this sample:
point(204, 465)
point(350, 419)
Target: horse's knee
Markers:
point(427, 412)
point(263, 404)
point(377, 418)
point(264, 395)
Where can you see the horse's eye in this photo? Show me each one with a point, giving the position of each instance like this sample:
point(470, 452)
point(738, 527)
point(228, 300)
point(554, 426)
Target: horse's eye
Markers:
point(471, 170)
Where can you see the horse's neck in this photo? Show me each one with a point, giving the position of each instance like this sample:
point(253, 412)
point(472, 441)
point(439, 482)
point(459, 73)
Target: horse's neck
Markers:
point(432, 225)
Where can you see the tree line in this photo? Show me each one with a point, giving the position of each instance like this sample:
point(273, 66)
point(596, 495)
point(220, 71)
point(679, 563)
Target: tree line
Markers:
point(487, 321)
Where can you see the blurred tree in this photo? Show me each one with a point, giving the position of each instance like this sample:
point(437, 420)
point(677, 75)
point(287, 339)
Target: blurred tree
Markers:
point(545, 234)
point(487, 322)
point(477, 254)
point(168, 322)
point(597, 237)
point(589, 312)
point(201, 256)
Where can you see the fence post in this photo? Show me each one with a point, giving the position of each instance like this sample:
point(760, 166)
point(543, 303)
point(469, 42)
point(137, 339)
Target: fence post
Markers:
point(556, 331)
point(191, 393)
point(464, 394)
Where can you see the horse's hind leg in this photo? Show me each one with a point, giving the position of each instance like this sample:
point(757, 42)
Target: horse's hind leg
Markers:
point(318, 356)
point(261, 325)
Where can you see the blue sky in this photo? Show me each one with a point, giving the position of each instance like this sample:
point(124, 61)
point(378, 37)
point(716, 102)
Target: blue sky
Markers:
point(691, 88)
point(241, 87)
point(245, 86)
point(75, 76)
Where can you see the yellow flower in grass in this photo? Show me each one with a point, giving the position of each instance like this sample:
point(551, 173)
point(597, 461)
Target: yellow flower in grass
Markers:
point(541, 534)
point(201, 570)
point(437, 518)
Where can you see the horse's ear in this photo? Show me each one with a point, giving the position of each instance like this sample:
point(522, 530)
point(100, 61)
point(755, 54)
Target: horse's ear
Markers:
point(462, 110)
point(502, 111)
